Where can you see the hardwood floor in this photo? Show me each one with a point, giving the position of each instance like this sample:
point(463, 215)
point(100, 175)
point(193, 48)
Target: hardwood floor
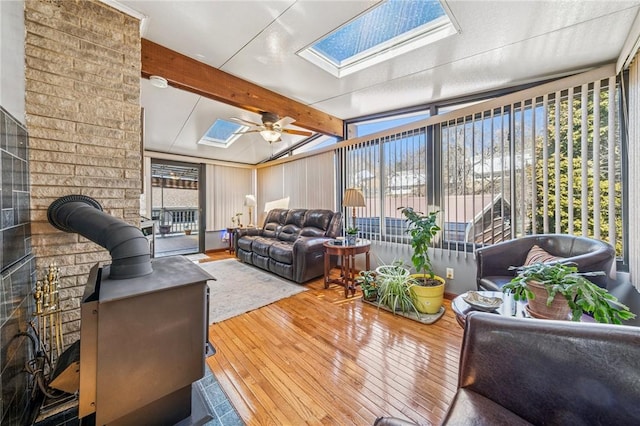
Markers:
point(318, 358)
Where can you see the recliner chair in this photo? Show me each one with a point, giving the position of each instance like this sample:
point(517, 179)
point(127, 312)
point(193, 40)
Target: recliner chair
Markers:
point(588, 254)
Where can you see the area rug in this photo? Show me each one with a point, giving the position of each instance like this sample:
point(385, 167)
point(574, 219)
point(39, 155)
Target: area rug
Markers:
point(241, 288)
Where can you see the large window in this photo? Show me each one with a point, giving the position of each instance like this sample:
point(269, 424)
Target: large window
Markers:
point(544, 160)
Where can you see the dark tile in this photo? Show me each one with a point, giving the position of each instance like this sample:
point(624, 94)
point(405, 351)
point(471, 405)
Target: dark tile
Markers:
point(7, 218)
point(14, 247)
point(7, 180)
point(12, 136)
point(23, 207)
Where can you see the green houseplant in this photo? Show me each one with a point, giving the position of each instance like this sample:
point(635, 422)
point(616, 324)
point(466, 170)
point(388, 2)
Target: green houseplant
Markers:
point(367, 281)
point(563, 281)
point(429, 291)
point(394, 288)
point(352, 234)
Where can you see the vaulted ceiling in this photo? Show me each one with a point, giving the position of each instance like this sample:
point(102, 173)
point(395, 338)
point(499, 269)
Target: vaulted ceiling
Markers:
point(500, 44)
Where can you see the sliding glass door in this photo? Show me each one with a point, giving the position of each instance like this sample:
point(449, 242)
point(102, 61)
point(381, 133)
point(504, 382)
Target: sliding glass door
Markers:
point(175, 199)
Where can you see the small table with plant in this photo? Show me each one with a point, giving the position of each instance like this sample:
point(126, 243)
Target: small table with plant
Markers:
point(347, 254)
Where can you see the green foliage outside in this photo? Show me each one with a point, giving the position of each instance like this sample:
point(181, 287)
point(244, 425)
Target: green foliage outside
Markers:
point(580, 161)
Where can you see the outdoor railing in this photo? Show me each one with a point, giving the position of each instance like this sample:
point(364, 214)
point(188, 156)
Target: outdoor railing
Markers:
point(172, 220)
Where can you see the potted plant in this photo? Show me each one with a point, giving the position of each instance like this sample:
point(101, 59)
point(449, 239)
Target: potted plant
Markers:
point(367, 282)
point(352, 235)
point(187, 230)
point(567, 291)
point(429, 291)
point(394, 289)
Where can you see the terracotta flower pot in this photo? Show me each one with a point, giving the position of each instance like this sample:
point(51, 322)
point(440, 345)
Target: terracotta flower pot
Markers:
point(538, 308)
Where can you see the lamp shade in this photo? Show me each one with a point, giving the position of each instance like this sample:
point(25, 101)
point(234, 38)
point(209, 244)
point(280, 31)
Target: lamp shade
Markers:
point(250, 200)
point(353, 197)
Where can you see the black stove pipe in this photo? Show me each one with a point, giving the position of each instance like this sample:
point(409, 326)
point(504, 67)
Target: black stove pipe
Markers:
point(129, 248)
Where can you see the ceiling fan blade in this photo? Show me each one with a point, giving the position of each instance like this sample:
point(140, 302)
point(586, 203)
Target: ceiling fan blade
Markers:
point(242, 120)
point(284, 122)
point(297, 132)
point(247, 131)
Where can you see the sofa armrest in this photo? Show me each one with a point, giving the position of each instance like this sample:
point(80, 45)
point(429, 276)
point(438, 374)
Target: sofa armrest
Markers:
point(241, 232)
point(308, 258)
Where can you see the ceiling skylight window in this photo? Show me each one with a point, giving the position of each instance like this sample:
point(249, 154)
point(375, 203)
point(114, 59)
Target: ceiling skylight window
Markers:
point(389, 29)
point(222, 134)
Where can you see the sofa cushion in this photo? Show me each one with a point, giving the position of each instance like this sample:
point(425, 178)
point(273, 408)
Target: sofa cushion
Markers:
point(282, 269)
point(296, 217)
point(539, 255)
point(246, 242)
point(261, 246)
point(282, 252)
point(318, 219)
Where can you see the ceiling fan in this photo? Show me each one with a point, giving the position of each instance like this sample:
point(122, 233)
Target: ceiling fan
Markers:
point(272, 127)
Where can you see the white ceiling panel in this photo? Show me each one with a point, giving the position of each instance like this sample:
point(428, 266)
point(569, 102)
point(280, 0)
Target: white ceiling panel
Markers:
point(494, 69)
point(209, 31)
point(502, 43)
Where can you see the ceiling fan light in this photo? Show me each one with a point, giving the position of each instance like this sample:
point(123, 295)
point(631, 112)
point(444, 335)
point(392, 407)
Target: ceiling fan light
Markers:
point(158, 81)
point(270, 135)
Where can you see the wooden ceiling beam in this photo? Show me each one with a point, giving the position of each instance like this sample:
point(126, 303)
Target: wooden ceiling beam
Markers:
point(193, 76)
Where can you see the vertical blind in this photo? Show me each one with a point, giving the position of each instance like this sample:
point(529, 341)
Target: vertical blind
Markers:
point(309, 182)
point(543, 160)
point(227, 187)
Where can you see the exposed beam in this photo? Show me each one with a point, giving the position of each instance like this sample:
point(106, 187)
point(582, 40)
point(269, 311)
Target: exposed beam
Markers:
point(196, 77)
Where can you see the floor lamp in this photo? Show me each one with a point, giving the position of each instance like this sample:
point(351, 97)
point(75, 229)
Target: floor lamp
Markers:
point(353, 197)
point(250, 201)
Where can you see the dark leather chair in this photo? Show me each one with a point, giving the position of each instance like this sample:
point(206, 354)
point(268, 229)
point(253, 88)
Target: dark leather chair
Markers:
point(516, 371)
point(588, 254)
point(529, 371)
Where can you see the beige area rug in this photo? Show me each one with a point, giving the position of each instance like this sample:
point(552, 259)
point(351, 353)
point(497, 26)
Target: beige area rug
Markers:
point(242, 288)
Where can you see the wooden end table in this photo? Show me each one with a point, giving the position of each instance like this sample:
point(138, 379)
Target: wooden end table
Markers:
point(347, 255)
point(231, 232)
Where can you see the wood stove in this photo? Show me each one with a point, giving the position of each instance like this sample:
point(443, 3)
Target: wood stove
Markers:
point(144, 323)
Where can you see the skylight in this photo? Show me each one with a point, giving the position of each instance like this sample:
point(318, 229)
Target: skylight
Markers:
point(391, 28)
point(222, 134)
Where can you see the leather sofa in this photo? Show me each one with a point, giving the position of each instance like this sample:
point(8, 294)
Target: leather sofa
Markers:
point(516, 371)
point(290, 243)
point(589, 255)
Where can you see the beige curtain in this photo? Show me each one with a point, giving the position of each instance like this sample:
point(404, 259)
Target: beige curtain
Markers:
point(226, 191)
point(309, 182)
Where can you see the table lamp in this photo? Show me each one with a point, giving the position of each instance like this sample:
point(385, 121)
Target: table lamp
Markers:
point(353, 197)
point(250, 201)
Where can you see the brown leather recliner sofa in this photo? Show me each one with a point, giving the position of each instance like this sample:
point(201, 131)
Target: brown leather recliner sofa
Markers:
point(588, 254)
point(516, 371)
point(290, 243)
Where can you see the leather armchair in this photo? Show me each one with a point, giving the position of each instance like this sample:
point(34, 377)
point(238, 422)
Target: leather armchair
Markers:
point(529, 371)
point(588, 254)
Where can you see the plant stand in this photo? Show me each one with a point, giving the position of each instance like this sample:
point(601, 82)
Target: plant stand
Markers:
point(423, 318)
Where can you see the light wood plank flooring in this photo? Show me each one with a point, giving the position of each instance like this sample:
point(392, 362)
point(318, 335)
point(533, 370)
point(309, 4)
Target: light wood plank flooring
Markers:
point(318, 358)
